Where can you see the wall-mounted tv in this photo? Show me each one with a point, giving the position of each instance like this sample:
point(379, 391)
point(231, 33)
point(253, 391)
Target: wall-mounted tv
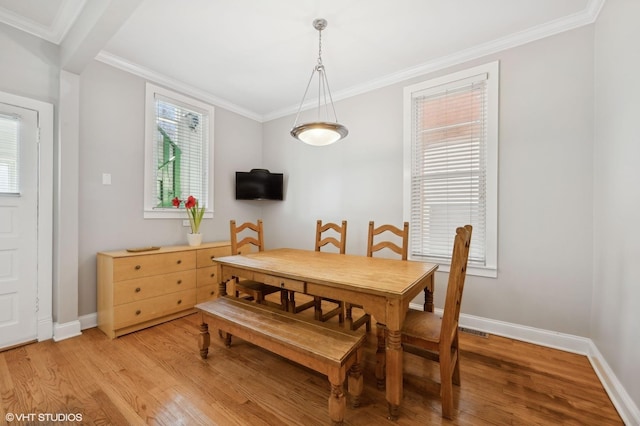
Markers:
point(259, 184)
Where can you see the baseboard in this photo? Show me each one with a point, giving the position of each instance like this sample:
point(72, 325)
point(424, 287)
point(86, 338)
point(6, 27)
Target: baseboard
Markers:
point(88, 321)
point(627, 409)
point(45, 329)
point(66, 330)
point(625, 406)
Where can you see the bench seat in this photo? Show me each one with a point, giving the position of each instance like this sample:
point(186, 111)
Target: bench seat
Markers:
point(331, 351)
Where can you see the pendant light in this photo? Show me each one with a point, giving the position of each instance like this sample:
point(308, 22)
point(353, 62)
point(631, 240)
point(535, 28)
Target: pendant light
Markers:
point(320, 132)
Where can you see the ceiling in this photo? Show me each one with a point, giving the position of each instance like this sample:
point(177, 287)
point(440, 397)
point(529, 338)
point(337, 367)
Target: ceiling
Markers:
point(255, 57)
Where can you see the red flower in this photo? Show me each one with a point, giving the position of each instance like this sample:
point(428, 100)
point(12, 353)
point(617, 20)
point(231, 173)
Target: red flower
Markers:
point(191, 202)
point(194, 213)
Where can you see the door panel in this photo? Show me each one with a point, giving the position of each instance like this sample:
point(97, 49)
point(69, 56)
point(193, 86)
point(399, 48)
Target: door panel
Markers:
point(19, 233)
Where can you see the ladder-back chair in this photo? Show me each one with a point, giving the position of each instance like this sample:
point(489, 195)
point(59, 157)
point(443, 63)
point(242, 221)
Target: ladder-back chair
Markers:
point(427, 335)
point(325, 235)
point(254, 240)
point(374, 244)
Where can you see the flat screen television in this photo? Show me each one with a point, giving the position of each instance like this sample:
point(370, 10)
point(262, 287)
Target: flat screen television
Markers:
point(259, 184)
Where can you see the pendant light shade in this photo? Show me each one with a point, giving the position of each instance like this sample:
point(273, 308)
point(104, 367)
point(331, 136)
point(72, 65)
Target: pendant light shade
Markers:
point(320, 132)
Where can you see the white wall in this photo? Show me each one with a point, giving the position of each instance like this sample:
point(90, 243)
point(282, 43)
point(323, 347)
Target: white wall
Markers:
point(616, 296)
point(545, 183)
point(112, 141)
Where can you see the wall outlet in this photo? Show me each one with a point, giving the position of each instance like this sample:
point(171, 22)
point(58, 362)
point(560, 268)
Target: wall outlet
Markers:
point(186, 223)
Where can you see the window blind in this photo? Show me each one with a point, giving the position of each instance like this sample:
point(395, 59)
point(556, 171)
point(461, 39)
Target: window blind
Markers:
point(448, 173)
point(180, 152)
point(9, 161)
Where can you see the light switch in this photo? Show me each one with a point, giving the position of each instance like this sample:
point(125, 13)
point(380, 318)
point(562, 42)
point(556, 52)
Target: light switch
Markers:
point(106, 178)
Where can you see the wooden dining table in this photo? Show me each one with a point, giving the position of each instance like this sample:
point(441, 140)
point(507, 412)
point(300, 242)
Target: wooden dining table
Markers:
point(383, 287)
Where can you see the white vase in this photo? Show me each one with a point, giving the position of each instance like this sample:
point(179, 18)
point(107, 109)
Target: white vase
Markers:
point(194, 239)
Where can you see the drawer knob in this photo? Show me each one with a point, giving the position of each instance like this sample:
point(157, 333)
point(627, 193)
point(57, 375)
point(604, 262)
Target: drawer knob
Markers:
point(179, 281)
point(282, 284)
point(138, 267)
point(179, 301)
point(137, 289)
point(212, 293)
point(213, 257)
point(179, 261)
point(213, 275)
point(138, 312)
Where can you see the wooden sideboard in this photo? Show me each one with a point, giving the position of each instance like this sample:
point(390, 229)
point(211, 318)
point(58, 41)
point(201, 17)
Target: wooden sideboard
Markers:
point(141, 289)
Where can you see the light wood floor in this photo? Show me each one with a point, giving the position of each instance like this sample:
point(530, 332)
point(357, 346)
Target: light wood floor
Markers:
point(156, 376)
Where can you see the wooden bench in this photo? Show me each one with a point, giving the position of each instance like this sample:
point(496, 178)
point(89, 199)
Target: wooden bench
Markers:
point(327, 350)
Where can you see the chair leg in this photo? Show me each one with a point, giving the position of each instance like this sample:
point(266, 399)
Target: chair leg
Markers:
point(446, 385)
point(348, 317)
point(455, 378)
point(284, 301)
point(381, 356)
point(317, 308)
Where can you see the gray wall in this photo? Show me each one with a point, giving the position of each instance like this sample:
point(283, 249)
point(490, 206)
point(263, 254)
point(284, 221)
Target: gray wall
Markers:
point(29, 66)
point(112, 141)
point(616, 296)
point(545, 182)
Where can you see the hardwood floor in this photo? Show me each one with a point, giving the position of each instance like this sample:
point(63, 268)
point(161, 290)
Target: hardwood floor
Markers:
point(156, 376)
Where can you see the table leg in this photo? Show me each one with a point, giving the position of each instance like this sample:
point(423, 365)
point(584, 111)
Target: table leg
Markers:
point(222, 288)
point(428, 295)
point(394, 372)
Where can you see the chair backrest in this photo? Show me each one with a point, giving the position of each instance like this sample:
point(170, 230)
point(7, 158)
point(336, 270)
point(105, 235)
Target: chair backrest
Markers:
point(340, 243)
point(256, 240)
point(455, 286)
point(402, 233)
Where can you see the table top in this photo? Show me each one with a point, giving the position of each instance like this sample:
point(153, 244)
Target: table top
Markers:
point(374, 275)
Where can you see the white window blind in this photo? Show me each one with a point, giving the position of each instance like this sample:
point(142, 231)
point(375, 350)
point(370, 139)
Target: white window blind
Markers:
point(452, 177)
point(9, 161)
point(180, 152)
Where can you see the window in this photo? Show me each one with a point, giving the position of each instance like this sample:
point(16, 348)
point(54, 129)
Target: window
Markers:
point(451, 162)
point(9, 154)
point(178, 153)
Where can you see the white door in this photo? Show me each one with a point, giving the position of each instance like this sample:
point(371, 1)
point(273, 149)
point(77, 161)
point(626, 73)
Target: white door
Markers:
point(18, 225)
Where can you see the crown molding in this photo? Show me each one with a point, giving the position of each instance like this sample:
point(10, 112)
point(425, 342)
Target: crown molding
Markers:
point(63, 21)
point(585, 17)
point(174, 84)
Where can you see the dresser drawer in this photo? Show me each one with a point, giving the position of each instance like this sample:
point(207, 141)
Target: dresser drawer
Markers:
point(208, 276)
point(144, 288)
point(206, 257)
point(127, 268)
point(206, 293)
point(155, 307)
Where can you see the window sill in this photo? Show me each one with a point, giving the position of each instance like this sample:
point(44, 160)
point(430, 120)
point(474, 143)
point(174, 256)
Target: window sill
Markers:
point(172, 214)
point(478, 271)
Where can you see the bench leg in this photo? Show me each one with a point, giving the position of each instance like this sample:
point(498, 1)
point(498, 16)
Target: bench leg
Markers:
point(226, 336)
point(337, 404)
point(204, 340)
point(356, 382)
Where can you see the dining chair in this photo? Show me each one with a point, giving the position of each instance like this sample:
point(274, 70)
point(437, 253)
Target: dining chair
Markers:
point(436, 338)
point(252, 239)
point(325, 235)
point(374, 244)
